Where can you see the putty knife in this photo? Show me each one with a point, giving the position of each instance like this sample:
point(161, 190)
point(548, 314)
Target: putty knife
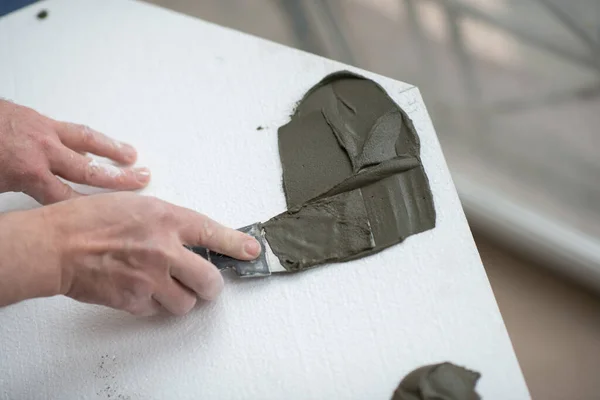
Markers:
point(265, 265)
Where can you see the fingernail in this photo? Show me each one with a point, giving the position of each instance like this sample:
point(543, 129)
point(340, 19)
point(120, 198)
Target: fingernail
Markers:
point(215, 287)
point(142, 174)
point(252, 248)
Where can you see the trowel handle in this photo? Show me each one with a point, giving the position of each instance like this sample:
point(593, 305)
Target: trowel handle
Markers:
point(245, 269)
point(219, 260)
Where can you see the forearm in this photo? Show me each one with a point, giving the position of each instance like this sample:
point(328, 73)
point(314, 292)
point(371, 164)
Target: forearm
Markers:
point(29, 260)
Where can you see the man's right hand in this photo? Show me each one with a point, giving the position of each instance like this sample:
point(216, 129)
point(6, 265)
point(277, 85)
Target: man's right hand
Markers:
point(121, 250)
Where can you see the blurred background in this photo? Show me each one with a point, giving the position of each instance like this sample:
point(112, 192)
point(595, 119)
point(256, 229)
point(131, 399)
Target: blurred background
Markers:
point(513, 89)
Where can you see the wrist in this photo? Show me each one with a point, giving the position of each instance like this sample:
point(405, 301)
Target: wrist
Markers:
point(54, 245)
point(29, 258)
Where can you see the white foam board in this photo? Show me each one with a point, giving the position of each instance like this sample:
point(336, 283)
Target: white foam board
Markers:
point(168, 84)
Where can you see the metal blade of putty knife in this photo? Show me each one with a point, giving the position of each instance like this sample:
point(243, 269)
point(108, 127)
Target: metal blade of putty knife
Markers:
point(265, 265)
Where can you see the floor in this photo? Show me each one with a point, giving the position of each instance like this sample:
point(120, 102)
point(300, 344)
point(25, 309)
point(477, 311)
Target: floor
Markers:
point(554, 325)
point(513, 87)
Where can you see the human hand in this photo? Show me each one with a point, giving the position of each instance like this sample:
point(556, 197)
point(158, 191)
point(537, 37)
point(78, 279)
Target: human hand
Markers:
point(124, 251)
point(35, 150)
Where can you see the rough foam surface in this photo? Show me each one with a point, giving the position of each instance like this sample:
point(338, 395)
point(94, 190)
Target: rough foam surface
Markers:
point(190, 95)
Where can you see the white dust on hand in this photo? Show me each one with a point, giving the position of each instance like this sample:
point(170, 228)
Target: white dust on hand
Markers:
point(108, 169)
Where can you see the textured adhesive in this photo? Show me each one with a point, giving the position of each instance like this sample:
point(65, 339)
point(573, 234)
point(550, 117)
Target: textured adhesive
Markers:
point(444, 381)
point(352, 176)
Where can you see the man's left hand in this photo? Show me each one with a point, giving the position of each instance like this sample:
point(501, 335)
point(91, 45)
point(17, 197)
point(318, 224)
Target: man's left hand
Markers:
point(35, 150)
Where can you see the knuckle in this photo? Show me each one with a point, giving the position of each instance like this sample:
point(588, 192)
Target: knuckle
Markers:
point(185, 306)
point(141, 308)
point(208, 230)
point(35, 174)
point(162, 212)
point(135, 299)
point(154, 256)
point(36, 182)
point(166, 214)
point(154, 206)
point(125, 301)
point(136, 308)
point(128, 302)
point(140, 285)
point(164, 255)
point(85, 133)
point(46, 142)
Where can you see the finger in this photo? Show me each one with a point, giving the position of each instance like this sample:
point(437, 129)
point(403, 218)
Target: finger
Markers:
point(197, 274)
point(81, 138)
point(175, 298)
point(133, 293)
point(79, 169)
point(144, 307)
point(199, 230)
point(49, 189)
